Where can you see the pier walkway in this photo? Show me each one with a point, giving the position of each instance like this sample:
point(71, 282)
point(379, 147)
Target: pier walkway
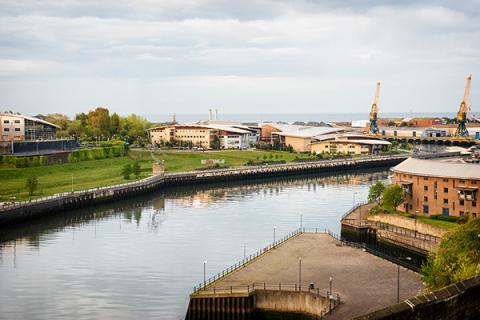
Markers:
point(363, 281)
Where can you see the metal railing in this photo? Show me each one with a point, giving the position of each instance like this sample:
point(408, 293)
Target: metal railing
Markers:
point(355, 207)
point(203, 285)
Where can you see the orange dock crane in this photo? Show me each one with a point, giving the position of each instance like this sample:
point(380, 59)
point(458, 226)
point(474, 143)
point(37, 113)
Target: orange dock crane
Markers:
point(374, 111)
point(462, 111)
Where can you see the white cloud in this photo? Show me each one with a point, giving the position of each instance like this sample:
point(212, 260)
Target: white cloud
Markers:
point(249, 47)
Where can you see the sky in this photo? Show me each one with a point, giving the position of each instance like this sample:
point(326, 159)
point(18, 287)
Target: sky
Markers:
point(249, 56)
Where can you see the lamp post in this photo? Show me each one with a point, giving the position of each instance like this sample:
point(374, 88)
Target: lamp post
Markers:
point(300, 274)
point(204, 274)
point(398, 279)
point(301, 222)
point(244, 250)
point(274, 228)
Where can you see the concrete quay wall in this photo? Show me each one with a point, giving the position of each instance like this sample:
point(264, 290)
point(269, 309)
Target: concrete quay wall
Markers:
point(24, 210)
point(260, 304)
point(458, 301)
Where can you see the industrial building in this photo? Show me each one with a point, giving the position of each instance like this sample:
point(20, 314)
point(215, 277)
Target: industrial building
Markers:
point(446, 186)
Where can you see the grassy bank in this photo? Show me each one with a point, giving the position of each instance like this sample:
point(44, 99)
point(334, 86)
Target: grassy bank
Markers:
point(103, 172)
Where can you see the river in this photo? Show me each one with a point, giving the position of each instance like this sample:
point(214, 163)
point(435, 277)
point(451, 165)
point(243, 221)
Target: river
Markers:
point(140, 258)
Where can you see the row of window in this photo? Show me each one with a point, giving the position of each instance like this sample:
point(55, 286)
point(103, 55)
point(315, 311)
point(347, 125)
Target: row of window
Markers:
point(8, 129)
point(8, 121)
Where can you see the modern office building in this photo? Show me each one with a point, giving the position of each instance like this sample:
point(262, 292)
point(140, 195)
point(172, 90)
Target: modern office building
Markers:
point(446, 186)
point(17, 128)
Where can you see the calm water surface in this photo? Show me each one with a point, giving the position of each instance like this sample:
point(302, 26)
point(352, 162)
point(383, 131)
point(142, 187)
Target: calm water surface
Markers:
point(140, 258)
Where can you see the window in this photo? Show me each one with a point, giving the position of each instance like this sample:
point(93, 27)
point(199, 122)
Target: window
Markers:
point(445, 190)
point(461, 202)
point(425, 199)
point(17, 129)
point(445, 180)
point(17, 121)
point(6, 129)
point(461, 181)
point(474, 203)
point(425, 178)
point(462, 213)
point(6, 121)
point(445, 201)
point(425, 209)
point(425, 188)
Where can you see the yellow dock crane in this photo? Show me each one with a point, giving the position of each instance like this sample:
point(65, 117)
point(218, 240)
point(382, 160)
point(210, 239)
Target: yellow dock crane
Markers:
point(462, 112)
point(374, 111)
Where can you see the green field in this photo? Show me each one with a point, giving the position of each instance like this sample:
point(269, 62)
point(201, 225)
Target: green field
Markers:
point(98, 173)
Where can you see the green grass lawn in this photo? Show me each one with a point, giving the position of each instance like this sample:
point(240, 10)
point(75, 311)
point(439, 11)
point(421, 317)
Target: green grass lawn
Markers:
point(438, 223)
point(98, 173)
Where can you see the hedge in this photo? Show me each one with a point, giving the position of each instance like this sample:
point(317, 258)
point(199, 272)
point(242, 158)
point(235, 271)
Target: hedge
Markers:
point(117, 150)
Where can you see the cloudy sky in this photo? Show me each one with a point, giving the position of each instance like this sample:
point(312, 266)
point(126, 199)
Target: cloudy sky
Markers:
point(248, 56)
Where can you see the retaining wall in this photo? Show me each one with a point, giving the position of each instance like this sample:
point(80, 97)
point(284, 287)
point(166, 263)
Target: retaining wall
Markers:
point(459, 301)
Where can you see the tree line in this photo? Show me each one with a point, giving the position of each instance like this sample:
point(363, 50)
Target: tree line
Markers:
point(99, 124)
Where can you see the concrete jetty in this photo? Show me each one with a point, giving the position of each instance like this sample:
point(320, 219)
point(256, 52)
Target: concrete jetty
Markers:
point(361, 281)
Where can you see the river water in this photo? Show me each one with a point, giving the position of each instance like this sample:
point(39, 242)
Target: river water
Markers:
point(140, 258)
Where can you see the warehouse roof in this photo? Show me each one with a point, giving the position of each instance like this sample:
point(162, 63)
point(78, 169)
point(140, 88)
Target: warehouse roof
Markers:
point(438, 168)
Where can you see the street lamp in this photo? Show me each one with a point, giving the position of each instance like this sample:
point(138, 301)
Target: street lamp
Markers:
point(300, 274)
point(398, 279)
point(353, 203)
point(274, 228)
point(204, 274)
point(301, 222)
point(244, 250)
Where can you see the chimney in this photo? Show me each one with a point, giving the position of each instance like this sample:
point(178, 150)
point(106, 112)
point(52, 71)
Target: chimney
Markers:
point(216, 114)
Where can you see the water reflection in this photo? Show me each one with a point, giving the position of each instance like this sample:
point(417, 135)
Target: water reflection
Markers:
point(140, 257)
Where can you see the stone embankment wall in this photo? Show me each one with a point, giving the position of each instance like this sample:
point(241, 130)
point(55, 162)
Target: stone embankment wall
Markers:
point(409, 223)
point(459, 301)
point(10, 213)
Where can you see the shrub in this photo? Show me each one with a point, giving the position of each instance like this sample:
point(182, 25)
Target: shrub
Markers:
point(31, 184)
point(136, 169)
point(456, 258)
point(127, 171)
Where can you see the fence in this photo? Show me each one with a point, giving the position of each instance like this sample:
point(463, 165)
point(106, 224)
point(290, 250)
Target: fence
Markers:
point(241, 263)
point(355, 207)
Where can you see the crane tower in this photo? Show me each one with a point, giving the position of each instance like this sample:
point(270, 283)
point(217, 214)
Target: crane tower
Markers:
point(463, 110)
point(374, 111)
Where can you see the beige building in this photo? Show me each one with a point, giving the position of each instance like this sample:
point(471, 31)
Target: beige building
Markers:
point(447, 186)
point(17, 127)
point(349, 144)
point(200, 136)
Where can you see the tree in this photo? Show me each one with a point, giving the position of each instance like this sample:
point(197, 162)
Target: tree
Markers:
point(394, 145)
point(216, 142)
point(136, 169)
point(393, 196)
point(127, 171)
point(31, 184)
point(99, 120)
point(457, 257)
point(115, 120)
point(375, 192)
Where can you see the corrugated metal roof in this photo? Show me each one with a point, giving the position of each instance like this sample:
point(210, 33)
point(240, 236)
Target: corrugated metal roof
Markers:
point(29, 118)
point(438, 168)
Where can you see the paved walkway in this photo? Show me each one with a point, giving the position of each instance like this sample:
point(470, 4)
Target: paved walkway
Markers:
point(365, 282)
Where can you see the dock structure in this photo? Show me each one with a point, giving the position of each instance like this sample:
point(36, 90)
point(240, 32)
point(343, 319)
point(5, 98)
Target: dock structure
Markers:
point(356, 224)
point(311, 273)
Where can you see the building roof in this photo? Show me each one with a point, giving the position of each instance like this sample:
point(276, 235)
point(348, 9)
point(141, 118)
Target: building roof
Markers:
point(357, 141)
point(438, 168)
point(29, 118)
point(305, 131)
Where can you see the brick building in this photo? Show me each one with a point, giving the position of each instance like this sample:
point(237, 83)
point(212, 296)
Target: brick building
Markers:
point(439, 186)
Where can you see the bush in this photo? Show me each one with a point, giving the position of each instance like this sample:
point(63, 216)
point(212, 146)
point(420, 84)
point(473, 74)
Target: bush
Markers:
point(31, 184)
point(375, 191)
point(136, 169)
point(457, 257)
point(127, 171)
